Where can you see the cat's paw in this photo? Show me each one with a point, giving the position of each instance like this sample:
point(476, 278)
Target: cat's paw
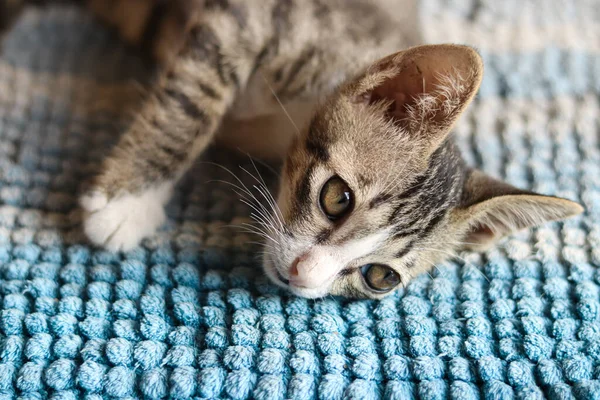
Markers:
point(121, 222)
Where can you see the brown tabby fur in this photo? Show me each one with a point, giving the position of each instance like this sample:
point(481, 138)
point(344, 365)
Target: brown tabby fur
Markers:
point(381, 124)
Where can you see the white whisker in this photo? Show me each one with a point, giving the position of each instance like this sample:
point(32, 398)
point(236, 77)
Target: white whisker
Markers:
point(281, 104)
point(262, 189)
point(268, 224)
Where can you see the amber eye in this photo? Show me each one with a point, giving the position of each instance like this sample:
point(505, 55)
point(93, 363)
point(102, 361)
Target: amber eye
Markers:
point(380, 278)
point(335, 198)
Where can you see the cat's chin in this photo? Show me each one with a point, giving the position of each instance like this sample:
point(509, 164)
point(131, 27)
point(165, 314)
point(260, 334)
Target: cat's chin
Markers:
point(308, 293)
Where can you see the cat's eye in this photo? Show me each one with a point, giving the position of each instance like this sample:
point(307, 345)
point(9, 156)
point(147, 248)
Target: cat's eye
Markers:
point(380, 278)
point(336, 198)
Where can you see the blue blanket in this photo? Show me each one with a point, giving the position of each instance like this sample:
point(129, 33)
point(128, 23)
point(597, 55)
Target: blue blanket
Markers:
point(190, 314)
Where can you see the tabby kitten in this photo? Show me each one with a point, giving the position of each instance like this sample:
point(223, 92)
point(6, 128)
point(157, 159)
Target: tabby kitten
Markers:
point(373, 190)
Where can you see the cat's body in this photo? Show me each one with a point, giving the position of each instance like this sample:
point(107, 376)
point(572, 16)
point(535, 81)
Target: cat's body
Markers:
point(281, 98)
point(373, 190)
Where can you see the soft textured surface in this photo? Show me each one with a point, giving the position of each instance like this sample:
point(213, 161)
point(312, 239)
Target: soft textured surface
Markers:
point(189, 314)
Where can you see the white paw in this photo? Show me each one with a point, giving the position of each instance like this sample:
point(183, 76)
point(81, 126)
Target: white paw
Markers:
point(123, 221)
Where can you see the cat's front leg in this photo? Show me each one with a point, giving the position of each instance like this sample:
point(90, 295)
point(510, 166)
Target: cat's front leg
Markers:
point(126, 200)
point(180, 118)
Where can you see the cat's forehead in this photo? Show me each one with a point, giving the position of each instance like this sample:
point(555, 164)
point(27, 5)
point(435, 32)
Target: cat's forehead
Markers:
point(359, 147)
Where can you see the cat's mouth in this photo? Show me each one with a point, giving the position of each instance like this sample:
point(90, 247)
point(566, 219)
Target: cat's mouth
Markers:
point(273, 272)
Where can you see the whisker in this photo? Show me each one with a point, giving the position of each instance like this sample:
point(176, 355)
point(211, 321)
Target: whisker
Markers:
point(263, 190)
point(265, 245)
point(264, 218)
point(232, 174)
point(396, 183)
point(258, 228)
point(260, 217)
point(266, 237)
point(256, 234)
point(263, 212)
point(263, 224)
point(433, 266)
point(276, 210)
point(267, 196)
point(387, 178)
point(281, 104)
point(244, 192)
point(264, 164)
point(248, 228)
point(237, 190)
point(253, 232)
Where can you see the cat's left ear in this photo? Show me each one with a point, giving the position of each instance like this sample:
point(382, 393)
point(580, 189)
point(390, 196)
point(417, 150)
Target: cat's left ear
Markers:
point(491, 209)
point(425, 88)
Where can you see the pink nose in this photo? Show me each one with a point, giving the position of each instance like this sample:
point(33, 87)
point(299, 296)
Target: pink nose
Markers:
point(298, 271)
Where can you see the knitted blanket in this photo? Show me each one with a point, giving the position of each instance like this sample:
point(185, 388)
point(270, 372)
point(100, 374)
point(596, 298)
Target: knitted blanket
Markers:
point(190, 314)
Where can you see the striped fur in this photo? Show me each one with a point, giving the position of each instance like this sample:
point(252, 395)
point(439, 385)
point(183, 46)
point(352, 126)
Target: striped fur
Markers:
point(159, 26)
point(381, 124)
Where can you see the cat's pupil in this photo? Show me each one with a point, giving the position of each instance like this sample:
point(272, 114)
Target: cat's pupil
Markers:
point(380, 278)
point(335, 198)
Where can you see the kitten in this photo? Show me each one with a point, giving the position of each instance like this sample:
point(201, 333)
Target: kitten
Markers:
point(373, 190)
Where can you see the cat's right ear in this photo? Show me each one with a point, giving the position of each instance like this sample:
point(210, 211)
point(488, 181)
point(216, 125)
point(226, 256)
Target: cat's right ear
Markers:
point(423, 89)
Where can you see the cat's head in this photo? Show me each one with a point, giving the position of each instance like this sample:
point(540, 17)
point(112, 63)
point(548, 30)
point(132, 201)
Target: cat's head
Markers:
point(375, 192)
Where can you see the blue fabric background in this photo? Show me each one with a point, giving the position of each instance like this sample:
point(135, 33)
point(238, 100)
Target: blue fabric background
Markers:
point(189, 314)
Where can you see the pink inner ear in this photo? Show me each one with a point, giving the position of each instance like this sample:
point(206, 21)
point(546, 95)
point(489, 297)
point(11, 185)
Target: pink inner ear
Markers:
point(480, 234)
point(404, 89)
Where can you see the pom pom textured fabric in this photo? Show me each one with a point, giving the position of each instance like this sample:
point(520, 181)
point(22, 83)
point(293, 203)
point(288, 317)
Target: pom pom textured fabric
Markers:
point(189, 314)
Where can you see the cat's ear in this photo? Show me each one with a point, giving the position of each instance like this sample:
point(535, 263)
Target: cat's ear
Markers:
point(492, 209)
point(425, 88)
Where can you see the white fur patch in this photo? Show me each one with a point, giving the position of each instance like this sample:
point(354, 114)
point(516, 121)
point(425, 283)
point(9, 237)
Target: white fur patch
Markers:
point(93, 201)
point(122, 222)
point(323, 263)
